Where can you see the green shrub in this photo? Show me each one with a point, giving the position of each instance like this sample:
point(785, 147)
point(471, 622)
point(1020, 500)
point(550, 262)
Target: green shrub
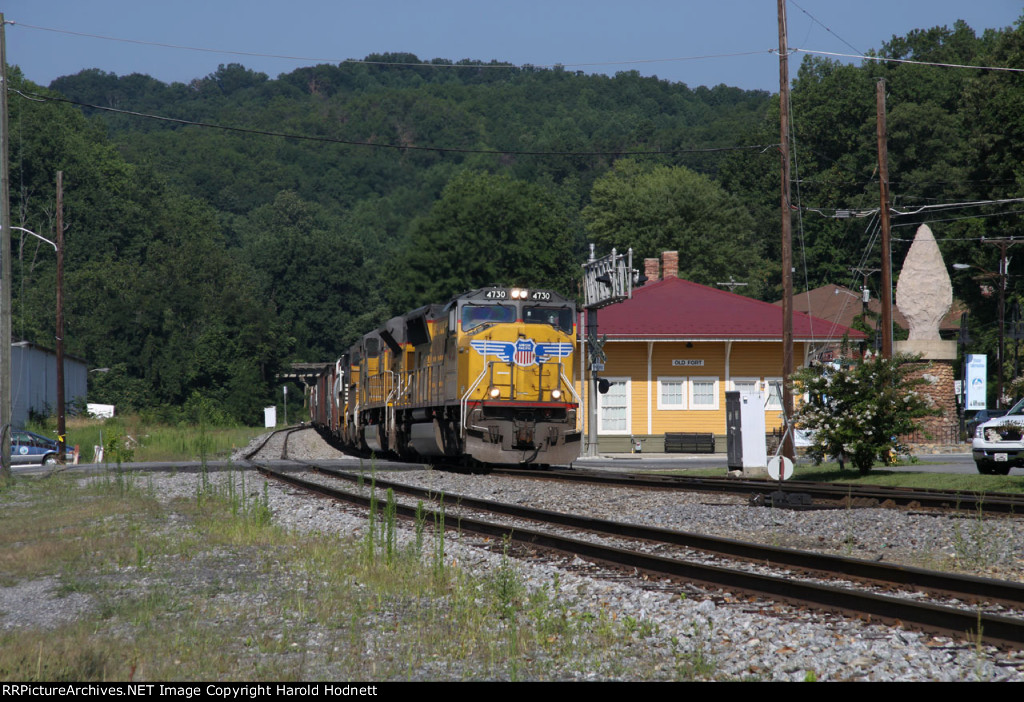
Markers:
point(861, 410)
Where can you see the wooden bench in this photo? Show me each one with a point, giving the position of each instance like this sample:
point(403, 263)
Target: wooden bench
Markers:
point(689, 443)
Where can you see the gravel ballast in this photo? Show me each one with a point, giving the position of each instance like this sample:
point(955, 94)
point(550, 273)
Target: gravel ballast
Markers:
point(737, 637)
point(763, 640)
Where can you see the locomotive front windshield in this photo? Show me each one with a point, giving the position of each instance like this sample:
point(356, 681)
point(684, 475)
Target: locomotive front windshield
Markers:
point(474, 316)
point(559, 318)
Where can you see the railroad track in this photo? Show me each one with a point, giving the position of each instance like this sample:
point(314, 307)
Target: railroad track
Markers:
point(959, 622)
point(834, 494)
point(822, 495)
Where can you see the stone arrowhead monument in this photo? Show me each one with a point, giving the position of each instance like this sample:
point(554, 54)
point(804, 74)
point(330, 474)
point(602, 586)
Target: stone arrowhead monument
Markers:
point(924, 295)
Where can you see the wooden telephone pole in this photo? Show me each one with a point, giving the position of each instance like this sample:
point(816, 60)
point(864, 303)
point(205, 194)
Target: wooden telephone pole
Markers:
point(1004, 262)
point(61, 406)
point(883, 178)
point(5, 270)
point(787, 232)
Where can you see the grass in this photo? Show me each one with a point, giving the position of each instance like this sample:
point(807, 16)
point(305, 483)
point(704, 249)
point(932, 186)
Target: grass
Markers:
point(830, 473)
point(208, 586)
point(976, 542)
point(149, 442)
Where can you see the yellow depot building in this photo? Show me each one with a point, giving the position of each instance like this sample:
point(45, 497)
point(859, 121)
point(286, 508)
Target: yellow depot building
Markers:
point(675, 348)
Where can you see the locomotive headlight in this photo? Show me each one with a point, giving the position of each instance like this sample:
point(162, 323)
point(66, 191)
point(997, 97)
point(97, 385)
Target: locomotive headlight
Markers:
point(518, 294)
point(493, 392)
point(556, 394)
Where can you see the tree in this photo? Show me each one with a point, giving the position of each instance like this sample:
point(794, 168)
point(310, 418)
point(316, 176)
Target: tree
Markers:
point(314, 272)
point(488, 230)
point(861, 410)
point(660, 208)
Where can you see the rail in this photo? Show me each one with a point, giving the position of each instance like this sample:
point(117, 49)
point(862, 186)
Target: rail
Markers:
point(977, 625)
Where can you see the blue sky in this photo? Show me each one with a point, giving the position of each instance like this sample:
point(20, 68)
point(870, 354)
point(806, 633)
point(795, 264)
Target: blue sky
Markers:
point(527, 31)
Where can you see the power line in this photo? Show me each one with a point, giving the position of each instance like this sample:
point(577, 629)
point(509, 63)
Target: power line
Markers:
point(958, 205)
point(582, 64)
point(34, 97)
point(255, 54)
point(910, 61)
point(840, 213)
point(832, 179)
point(957, 219)
point(827, 29)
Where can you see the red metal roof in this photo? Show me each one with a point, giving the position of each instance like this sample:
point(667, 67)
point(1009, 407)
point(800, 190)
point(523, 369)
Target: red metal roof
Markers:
point(674, 308)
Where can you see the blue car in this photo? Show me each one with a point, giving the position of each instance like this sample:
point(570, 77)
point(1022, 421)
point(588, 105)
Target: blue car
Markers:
point(27, 447)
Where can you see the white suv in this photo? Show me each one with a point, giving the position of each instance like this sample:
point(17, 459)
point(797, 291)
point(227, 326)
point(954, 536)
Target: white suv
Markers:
point(999, 443)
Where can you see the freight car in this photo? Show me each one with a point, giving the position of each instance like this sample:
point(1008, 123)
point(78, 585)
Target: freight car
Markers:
point(487, 376)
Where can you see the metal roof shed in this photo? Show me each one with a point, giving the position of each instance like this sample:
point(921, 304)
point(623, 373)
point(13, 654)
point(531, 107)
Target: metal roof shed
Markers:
point(34, 381)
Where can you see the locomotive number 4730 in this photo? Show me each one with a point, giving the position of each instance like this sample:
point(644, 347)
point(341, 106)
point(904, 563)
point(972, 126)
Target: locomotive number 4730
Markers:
point(518, 294)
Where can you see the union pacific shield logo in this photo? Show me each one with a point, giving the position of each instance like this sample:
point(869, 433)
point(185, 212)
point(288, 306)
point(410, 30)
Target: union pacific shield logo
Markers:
point(524, 352)
point(525, 355)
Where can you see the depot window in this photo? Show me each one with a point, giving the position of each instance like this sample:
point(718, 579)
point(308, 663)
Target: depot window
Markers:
point(614, 407)
point(774, 389)
point(671, 393)
point(703, 393)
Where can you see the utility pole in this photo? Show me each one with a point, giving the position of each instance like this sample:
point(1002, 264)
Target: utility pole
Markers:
point(787, 232)
point(732, 284)
point(5, 270)
point(61, 408)
point(963, 339)
point(883, 177)
point(1004, 263)
point(1015, 325)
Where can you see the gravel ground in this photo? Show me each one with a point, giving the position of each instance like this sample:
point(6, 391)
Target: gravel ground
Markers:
point(740, 637)
point(765, 640)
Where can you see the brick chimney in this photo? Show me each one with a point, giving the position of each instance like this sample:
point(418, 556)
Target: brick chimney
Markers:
point(670, 264)
point(652, 269)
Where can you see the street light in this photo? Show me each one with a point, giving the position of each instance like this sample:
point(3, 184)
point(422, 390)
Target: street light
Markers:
point(61, 424)
point(29, 231)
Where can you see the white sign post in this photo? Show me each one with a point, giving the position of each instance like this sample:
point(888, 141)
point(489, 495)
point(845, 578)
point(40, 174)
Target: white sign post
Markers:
point(977, 369)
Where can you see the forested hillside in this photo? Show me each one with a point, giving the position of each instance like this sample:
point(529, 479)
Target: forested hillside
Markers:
point(275, 219)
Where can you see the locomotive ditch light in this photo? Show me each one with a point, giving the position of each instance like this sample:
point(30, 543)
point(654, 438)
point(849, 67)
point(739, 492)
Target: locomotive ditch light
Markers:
point(556, 394)
point(493, 392)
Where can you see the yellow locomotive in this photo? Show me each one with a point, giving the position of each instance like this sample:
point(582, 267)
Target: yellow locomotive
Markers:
point(489, 375)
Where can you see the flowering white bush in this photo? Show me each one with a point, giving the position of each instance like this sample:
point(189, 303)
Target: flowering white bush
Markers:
point(861, 410)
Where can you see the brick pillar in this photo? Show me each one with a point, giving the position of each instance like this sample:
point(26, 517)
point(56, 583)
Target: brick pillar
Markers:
point(670, 264)
point(651, 269)
point(941, 429)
